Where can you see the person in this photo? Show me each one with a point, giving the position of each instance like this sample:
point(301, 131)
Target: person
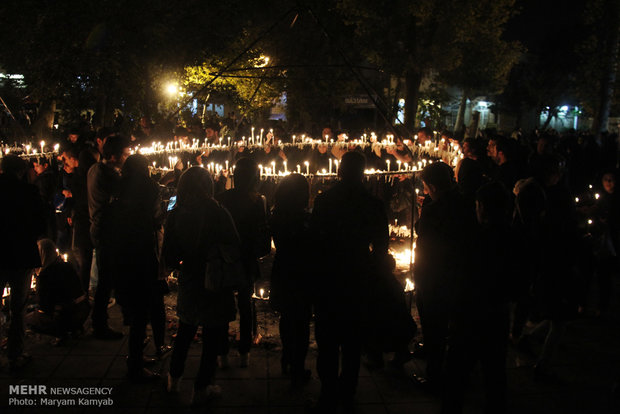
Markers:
point(137, 217)
point(63, 304)
point(46, 183)
point(442, 228)
point(81, 244)
point(103, 186)
point(481, 333)
point(248, 209)
point(193, 227)
point(290, 276)
point(350, 228)
point(24, 221)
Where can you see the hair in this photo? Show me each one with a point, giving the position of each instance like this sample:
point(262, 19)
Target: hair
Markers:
point(71, 151)
point(13, 165)
point(114, 146)
point(137, 165)
point(352, 166)
point(439, 175)
point(507, 147)
point(531, 201)
point(292, 194)
point(245, 174)
point(88, 157)
point(195, 187)
point(495, 202)
point(104, 132)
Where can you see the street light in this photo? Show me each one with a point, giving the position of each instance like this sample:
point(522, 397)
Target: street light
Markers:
point(172, 89)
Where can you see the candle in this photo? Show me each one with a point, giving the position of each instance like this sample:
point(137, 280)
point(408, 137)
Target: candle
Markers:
point(298, 169)
point(252, 135)
point(42, 146)
point(229, 141)
point(262, 292)
point(226, 165)
point(330, 165)
point(398, 162)
point(388, 165)
point(260, 140)
point(293, 139)
point(336, 163)
point(260, 167)
point(307, 167)
point(273, 166)
point(65, 257)
point(285, 169)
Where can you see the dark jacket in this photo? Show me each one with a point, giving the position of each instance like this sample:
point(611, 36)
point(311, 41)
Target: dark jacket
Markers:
point(347, 222)
point(58, 285)
point(103, 186)
point(249, 215)
point(136, 218)
point(188, 236)
point(290, 276)
point(23, 217)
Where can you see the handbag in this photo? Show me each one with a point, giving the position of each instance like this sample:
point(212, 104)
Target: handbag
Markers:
point(224, 269)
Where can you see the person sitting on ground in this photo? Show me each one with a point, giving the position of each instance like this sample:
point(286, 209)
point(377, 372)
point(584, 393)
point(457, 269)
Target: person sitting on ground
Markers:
point(63, 305)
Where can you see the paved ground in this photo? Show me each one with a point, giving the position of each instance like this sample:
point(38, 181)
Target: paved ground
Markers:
point(588, 362)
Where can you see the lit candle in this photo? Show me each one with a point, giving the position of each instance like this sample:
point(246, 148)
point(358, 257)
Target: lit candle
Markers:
point(330, 165)
point(42, 146)
point(229, 141)
point(293, 139)
point(398, 162)
point(65, 257)
point(388, 165)
point(262, 292)
point(260, 167)
point(307, 167)
point(260, 140)
point(285, 169)
point(226, 164)
point(252, 135)
point(336, 164)
point(298, 169)
point(597, 196)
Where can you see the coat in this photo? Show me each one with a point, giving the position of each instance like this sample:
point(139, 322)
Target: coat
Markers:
point(188, 235)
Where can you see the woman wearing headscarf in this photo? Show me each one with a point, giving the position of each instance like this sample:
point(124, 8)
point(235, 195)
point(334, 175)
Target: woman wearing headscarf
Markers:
point(193, 228)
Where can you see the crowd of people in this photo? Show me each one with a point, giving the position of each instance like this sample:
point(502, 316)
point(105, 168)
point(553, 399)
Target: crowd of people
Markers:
point(515, 234)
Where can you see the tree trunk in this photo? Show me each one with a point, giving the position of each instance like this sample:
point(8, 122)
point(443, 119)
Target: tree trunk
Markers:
point(473, 127)
point(459, 124)
point(553, 113)
point(601, 117)
point(413, 80)
point(42, 127)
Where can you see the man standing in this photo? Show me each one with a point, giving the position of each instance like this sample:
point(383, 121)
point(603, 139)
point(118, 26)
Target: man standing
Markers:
point(351, 231)
point(23, 214)
point(103, 187)
point(248, 210)
point(440, 262)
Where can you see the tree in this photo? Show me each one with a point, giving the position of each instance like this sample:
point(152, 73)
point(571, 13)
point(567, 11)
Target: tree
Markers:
point(410, 39)
point(113, 51)
point(598, 55)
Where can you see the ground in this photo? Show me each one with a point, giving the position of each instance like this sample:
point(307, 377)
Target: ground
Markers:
point(588, 363)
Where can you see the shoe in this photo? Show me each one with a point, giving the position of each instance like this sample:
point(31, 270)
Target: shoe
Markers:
point(20, 362)
point(173, 384)
point(222, 361)
point(142, 376)
point(107, 334)
point(162, 351)
point(244, 360)
point(207, 394)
